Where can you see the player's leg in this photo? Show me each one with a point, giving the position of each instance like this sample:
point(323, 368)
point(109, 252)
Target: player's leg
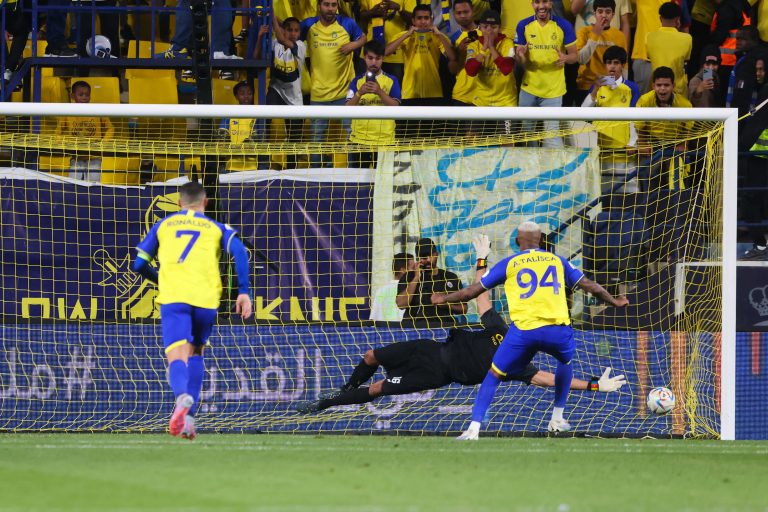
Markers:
point(176, 322)
point(557, 340)
point(363, 371)
point(202, 324)
point(511, 358)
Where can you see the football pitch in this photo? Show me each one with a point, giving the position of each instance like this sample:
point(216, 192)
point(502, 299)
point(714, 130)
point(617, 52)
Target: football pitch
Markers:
point(104, 472)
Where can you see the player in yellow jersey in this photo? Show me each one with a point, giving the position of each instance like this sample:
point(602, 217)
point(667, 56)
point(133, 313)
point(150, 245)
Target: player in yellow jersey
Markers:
point(534, 281)
point(188, 245)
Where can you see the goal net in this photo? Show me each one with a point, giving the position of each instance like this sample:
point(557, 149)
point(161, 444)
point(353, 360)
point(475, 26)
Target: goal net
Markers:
point(634, 201)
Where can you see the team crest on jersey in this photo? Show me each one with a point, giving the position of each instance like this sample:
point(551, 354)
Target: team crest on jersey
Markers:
point(334, 35)
point(554, 36)
point(623, 98)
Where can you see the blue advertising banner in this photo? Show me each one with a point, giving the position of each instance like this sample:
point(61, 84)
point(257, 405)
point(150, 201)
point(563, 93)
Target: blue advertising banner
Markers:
point(66, 248)
point(90, 376)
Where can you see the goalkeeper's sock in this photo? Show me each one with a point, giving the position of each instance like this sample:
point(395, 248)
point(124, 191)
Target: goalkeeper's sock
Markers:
point(196, 371)
point(356, 396)
point(361, 374)
point(485, 397)
point(178, 376)
point(563, 378)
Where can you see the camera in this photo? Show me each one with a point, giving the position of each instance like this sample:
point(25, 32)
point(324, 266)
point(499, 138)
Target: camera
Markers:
point(370, 77)
point(472, 35)
point(708, 74)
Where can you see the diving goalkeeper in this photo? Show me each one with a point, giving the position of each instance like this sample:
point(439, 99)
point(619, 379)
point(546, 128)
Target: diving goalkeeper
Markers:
point(464, 358)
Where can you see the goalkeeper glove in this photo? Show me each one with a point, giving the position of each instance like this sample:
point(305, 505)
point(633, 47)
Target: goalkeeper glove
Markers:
point(482, 250)
point(606, 384)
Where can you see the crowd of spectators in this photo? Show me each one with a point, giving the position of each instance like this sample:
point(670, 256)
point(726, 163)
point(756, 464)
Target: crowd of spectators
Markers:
point(464, 53)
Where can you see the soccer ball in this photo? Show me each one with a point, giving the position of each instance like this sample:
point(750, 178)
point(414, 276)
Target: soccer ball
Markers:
point(661, 401)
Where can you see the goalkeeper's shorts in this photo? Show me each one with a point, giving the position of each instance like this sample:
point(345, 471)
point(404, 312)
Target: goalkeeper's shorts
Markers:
point(182, 323)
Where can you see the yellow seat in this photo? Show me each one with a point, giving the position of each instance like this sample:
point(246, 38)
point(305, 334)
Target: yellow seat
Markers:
point(172, 167)
point(104, 89)
point(41, 45)
point(120, 170)
point(223, 92)
point(157, 91)
point(145, 52)
point(58, 165)
point(55, 90)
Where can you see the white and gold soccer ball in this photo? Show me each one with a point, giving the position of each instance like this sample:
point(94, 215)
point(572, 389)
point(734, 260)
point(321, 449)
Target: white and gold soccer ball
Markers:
point(661, 401)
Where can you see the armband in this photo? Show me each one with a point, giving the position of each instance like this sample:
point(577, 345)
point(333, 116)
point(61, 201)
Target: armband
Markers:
point(594, 384)
point(482, 263)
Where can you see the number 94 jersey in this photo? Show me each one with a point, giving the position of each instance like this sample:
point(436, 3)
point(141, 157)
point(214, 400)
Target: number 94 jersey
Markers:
point(534, 282)
point(188, 247)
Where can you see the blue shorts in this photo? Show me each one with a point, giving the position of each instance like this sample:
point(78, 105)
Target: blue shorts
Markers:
point(519, 347)
point(183, 323)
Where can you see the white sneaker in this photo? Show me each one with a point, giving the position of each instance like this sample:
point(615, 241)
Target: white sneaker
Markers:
point(222, 55)
point(559, 426)
point(471, 434)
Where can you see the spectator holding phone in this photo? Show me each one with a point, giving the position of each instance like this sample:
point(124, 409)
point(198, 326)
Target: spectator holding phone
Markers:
point(704, 88)
point(374, 87)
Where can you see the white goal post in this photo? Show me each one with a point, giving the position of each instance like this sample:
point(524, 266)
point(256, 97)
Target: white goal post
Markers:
point(728, 117)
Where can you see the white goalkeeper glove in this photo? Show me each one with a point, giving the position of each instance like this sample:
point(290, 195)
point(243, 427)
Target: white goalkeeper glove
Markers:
point(482, 246)
point(607, 384)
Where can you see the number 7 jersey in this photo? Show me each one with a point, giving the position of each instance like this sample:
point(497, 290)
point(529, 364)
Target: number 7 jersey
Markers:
point(188, 247)
point(534, 282)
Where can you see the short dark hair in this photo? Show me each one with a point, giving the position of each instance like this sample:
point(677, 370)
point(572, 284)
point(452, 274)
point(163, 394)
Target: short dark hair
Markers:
point(611, 4)
point(80, 83)
point(670, 11)
point(663, 72)
point(191, 193)
point(288, 21)
point(425, 248)
point(400, 261)
point(374, 47)
point(457, 2)
point(240, 85)
point(423, 7)
point(750, 33)
point(615, 53)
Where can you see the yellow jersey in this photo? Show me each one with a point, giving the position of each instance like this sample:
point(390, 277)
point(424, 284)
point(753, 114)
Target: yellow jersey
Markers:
point(330, 70)
point(512, 13)
point(95, 127)
point(421, 53)
point(374, 131)
point(188, 246)
point(535, 284)
point(492, 87)
point(595, 68)
point(385, 29)
point(663, 131)
point(762, 19)
point(612, 134)
point(543, 76)
point(647, 21)
point(464, 88)
point(671, 48)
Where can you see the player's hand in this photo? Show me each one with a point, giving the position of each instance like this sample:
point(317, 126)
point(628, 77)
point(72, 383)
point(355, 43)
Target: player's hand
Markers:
point(413, 265)
point(561, 58)
point(243, 306)
point(482, 246)
point(521, 50)
point(263, 30)
point(621, 301)
point(438, 299)
point(347, 48)
point(607, 384)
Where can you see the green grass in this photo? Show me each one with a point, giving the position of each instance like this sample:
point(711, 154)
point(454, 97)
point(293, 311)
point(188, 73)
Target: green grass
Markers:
point(376, 473)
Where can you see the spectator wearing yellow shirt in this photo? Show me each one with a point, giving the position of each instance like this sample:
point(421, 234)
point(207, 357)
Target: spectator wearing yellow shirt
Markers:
point(669, 47)
point(616, 140)
point(374, 87)
point(84, 168)
point(592, 43)
point(464, 89)
point(385, 19)
point(666, 172)
point(585, 12)
point(544, 44)
point(760, 10)
point(331, 42)
point(490, 61)
point(244, 130)
point(422, 45)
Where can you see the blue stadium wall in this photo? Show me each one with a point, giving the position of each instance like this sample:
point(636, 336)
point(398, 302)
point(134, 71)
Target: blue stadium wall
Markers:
point(111, 377)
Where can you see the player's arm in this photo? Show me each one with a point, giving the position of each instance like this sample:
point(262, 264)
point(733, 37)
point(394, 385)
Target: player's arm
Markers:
point(482, 250)
point(493, 277)
point(601, 293)
point(235, 248)
point(604, 384)
point(145, 253)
